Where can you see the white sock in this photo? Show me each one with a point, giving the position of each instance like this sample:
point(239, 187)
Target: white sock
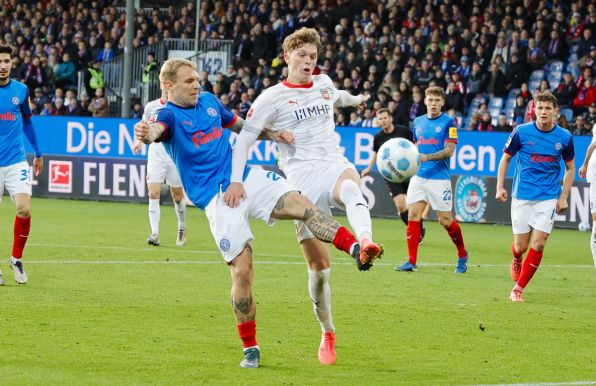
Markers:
point(154, 215)
point(320, 294)
point(593, 243)
point(356, 209)
point(180, 213)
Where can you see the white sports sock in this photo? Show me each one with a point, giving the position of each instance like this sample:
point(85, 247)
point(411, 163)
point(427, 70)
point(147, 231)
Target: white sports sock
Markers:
point(154, 215)
point(320, 294)
point(181, 212)
point(356, 209)
point(593, 243)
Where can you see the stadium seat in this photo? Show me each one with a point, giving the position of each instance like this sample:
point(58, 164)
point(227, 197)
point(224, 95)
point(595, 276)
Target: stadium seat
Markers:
point(567, 113)
point(495, 103)
point(554, 66)
point(537, 75)
point(534, 85)
point(510, 103)
point(554, 78)
point(513, 93)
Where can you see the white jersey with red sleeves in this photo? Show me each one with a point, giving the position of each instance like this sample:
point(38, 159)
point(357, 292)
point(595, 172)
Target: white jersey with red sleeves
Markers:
point(156, 149)
point(591, 172)
point(307, 112)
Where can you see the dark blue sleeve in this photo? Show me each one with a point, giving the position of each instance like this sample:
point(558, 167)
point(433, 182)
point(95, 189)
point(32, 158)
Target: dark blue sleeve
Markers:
point(228, 118)
point(513, 144)
point(569, 151)
point(167, 119)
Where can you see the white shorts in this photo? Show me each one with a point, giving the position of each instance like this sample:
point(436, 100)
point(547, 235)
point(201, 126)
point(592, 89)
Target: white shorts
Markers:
point(527, 215)
point(160, 167)
point(15, 178)
point(230, 226)
point(437, 192)
point(593, 198)
point(316, 180)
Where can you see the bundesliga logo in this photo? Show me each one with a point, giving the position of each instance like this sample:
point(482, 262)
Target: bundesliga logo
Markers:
point(60, 177)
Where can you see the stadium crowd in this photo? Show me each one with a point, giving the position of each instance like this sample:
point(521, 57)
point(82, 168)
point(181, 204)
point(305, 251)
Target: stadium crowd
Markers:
point(489, 56)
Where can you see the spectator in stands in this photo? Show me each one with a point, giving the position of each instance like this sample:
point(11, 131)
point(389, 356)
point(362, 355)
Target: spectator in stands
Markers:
point(83, 55)
point(586, 96)
point(556, 46)
point(205, 83)
point(244, 105)
point(476, 82)
point(59, 108)
point(580, 127)
point(496, 81)
point(355, 120)
point(34, 76)
point(99, 104)
point(47, 110)
point(589, 60)
point(137, 111)
point(474, 121)
point(562, 121)
point(369, 119)
point(74, 109)
point(502, 125)
point(525, 93)
point(106, 54)
point(516, 73)
point(150, 70)
point(454, 99)
point(38, 97)
point(341, 120)
point(566, 90)
point(536, 55)
point(591, 115)
point(64, 74)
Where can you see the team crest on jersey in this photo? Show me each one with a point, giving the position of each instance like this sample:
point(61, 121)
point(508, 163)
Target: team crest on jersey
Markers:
point(438, 129)
point(325, 94)
point(15, 100)
point(211, 111)
point(558, 146)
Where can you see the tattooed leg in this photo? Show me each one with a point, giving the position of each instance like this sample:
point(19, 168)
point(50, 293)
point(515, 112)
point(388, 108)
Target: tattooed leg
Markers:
point(242, 276)
point(321, 224)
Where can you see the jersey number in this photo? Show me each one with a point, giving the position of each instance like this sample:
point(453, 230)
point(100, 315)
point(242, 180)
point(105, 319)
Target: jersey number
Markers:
point(24, 174)
point(273, 176)
point(447, 195)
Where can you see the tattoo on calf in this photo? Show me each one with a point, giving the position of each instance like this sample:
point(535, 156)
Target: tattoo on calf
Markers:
point(244, 305)
point(321, 224)
point(281, 202)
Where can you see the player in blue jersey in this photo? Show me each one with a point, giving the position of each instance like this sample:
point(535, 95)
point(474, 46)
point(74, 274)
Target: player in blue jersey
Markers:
point(536, 193)
point(15, 124)
point(435, 134)
point(191, 128)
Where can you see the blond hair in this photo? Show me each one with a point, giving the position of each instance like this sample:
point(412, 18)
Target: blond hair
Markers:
point(300, 37)
point(435, 91)
point(171, 66)
point(546, 96)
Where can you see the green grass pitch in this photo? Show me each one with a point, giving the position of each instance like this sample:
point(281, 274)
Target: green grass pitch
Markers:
point(101, 307)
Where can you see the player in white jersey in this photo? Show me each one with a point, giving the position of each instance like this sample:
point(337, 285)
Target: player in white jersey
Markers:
point(588, 171)
point(312, 160)
point(160, 168)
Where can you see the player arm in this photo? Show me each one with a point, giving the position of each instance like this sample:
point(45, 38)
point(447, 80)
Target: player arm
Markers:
point(584, 168)
point(568, 178)
point(30, 134)
point(157, 128)
point(447, 152)
point(373, 160)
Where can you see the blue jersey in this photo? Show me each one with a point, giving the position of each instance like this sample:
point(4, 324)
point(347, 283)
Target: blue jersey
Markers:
point(430, 135)
point(15, 120)
point(538, 165)
point(195, 139)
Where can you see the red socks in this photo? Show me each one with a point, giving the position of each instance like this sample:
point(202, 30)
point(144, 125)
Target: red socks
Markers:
point(344, 240)
point(413, 239)
point(529, 268)
point(248, 332)
point(21, 233)
point(455, 233)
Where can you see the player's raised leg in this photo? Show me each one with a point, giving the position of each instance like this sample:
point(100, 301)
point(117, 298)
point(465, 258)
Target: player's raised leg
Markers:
point(347, 193)
point(154, 212)
point(180, 208)
point(319, 270)
point(22, 225)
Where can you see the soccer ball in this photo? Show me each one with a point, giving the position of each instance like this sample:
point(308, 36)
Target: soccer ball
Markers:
point(583, 226)
point(398, 160)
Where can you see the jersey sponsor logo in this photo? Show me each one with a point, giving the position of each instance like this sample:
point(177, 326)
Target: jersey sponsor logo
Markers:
point(8, 116)
point(211, 111)
point(201, 138)
point(427, 141)
point(312, 111)
point(60, 176)
point(542, 158)
point(293, 101)
point(153, 118)
point(249, 114)
point(453, 132)
point(470, 198)
point(15, 101)
point(224, 245)
point(187, 123)
point(325, 94)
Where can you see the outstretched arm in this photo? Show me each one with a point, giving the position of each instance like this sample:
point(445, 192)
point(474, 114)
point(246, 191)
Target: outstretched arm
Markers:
point(148, 132)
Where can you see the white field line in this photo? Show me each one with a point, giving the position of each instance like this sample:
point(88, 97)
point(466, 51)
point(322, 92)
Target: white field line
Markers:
point(182, 251)
point(546, 384)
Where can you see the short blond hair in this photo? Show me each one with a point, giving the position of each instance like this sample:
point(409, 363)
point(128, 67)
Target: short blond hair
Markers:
point(435, 91)
point(170, 68)
point(300, 37)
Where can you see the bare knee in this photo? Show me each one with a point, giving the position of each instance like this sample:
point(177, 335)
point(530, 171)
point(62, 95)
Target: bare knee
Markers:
point(177, 195)
point(520, 246)
point(445, 219)
point(24, 212)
